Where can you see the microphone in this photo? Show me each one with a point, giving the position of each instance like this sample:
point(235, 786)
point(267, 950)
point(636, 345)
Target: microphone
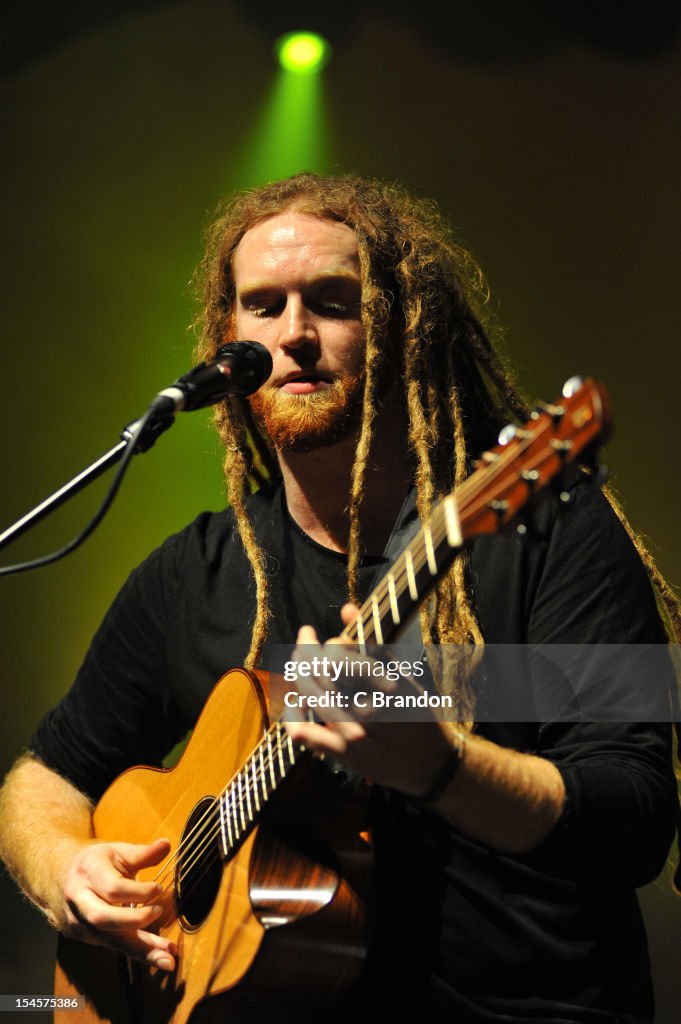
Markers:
point(239, 368)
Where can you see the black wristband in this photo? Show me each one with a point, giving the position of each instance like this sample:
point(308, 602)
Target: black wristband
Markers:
point(449, 770)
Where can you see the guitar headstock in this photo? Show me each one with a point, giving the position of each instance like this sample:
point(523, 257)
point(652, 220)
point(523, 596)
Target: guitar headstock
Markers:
point(557, 437)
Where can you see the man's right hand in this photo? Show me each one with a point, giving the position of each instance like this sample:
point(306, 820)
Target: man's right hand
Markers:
point(86, 888)
point(104, 904)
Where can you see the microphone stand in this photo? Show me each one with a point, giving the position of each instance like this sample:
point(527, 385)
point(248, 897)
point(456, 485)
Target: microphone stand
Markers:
point(240, 368)
point(156, 426)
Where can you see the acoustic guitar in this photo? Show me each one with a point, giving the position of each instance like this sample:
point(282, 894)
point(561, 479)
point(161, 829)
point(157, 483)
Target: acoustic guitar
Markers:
point(266, 887)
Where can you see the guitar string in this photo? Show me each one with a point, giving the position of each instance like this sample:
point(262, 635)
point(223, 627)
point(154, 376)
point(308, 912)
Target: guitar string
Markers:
point(190, 874)
point(381, 600)
point(207, 855)
point(238, 804)
point(275, 749)
point(205, 832)
point(210, 850)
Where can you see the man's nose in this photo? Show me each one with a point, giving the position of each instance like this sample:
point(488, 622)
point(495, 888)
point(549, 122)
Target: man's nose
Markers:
point(298, 326)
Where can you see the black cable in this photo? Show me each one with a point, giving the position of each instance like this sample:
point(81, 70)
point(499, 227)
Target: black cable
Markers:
point(135, 433)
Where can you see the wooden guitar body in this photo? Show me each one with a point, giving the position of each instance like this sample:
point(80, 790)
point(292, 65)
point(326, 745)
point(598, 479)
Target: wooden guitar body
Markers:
point(300, 868)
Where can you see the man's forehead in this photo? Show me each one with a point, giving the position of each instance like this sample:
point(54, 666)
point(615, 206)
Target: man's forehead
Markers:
point(294, 232)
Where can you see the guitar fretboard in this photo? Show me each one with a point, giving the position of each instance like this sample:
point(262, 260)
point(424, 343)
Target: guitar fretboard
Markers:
point(240, 804)
point(411, 578)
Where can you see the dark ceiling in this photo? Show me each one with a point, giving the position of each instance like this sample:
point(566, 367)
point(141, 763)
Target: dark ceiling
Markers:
point(471, 30)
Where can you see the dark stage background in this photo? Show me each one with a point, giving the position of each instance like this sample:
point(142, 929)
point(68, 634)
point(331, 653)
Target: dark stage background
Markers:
point(549, 133)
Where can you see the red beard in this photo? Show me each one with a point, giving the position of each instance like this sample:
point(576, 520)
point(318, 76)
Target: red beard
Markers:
point(306, 422)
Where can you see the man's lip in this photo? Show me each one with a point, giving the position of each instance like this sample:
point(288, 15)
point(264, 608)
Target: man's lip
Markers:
point(301, 375)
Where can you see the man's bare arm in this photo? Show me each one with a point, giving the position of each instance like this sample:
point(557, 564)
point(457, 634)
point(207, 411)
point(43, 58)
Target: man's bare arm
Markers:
point(85, 888)
point(44, 821)
point(507, 799)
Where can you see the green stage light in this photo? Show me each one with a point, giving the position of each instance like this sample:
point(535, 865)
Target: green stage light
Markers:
point(304, 53)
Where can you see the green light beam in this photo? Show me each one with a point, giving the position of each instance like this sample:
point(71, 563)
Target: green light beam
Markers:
point(290, 137)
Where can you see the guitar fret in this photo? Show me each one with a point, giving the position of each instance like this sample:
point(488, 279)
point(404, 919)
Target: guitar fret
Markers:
point(231, 821)
point(377, 619)
point(430, 551)
point(411, 578)
point(271, 759)
point(247, 787)
point(359, 622)
point(392, 593)
point(225, 830)
point(282, 767)
point(452, 522)
point(254, 772)
point(234, 809)
point(241, 802)
point(263, 774)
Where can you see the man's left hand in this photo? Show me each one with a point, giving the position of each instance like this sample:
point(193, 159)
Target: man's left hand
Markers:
point(407, 756)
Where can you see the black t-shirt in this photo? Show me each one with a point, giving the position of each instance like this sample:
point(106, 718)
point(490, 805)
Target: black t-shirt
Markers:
point(554, 935)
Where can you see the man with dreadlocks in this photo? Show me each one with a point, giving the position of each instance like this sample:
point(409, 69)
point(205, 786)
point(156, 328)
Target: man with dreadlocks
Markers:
point(509, 852)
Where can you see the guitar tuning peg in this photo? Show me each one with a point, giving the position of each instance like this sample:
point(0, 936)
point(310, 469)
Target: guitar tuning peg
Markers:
point(562, 447)
point(500, 507)
point(530, 476)
point(572, 386)
point(507, 433)
point(486, 459)
point(555, 411)
point(512, 433)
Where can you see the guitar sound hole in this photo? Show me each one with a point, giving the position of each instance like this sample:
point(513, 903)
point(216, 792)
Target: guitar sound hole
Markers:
point(198, 870)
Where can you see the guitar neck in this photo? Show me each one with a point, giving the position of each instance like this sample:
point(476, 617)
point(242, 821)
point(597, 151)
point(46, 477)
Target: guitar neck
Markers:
point(410, 579)
point(504, 482)
point(506, 479)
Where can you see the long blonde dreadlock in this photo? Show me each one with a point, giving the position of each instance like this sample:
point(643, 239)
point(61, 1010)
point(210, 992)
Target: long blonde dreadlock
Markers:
point(424, 303)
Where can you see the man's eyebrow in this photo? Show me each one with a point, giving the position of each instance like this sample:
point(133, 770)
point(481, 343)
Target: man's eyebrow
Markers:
point(256, 287)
